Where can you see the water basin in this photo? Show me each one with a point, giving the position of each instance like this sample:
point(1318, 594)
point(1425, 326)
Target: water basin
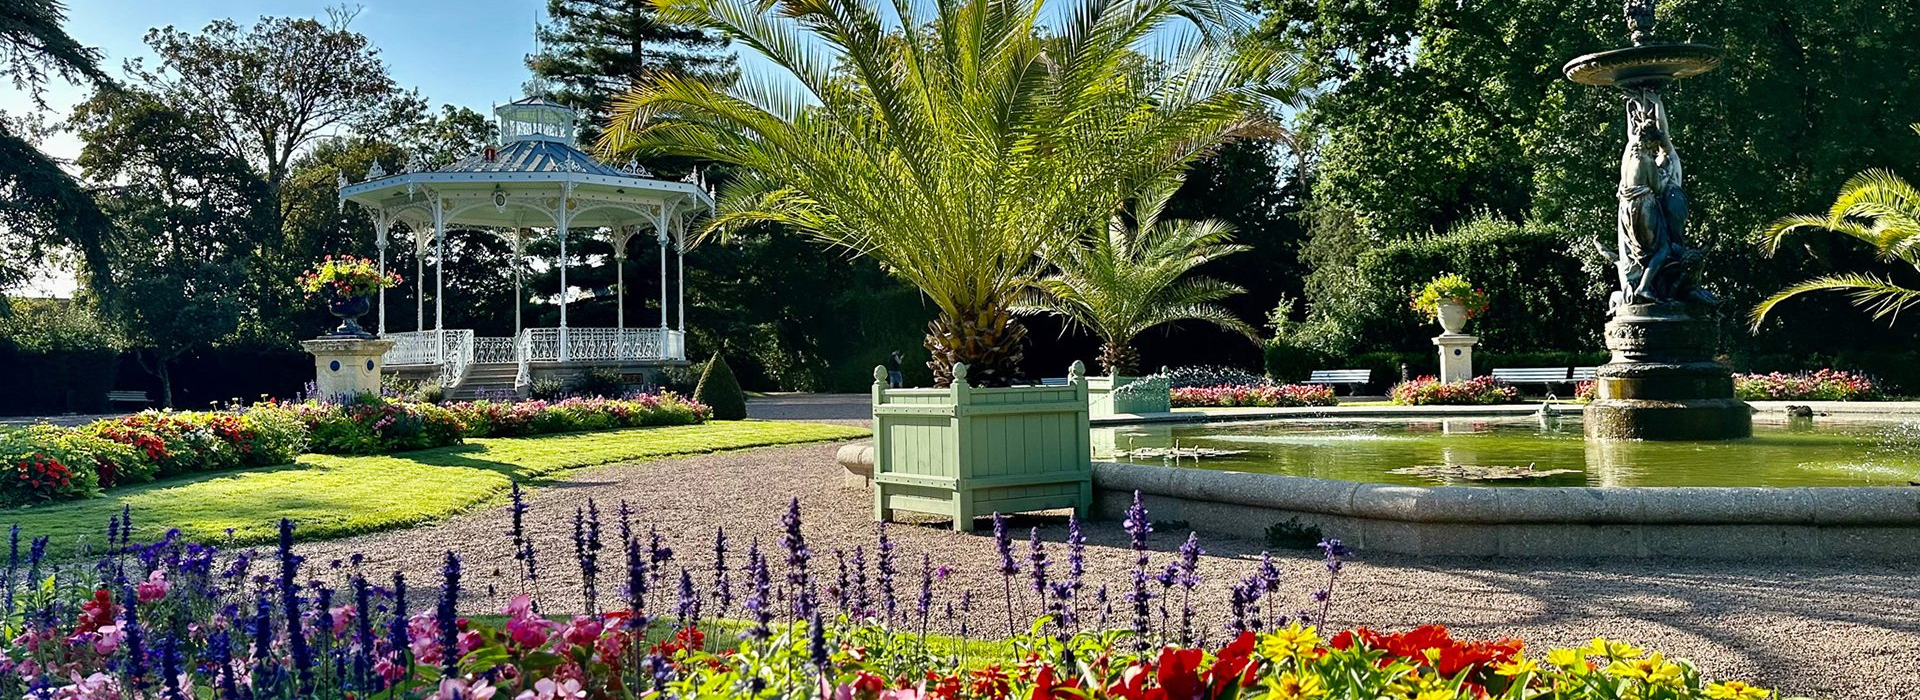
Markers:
point(1521, 451)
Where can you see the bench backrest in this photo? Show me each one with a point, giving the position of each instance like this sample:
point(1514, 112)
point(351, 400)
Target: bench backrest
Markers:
point(1584, 374)
point(1053, 381)
point(126, 396)
point(1340, 376)
point(1533, 374)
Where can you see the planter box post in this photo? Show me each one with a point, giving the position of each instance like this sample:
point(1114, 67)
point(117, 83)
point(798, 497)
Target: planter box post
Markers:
point(965, 451)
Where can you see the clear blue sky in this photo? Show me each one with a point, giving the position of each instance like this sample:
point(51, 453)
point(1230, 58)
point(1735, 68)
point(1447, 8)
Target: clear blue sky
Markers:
point(463, 52)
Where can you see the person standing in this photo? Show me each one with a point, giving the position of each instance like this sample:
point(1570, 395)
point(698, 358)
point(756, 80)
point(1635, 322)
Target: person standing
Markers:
point(894, 376)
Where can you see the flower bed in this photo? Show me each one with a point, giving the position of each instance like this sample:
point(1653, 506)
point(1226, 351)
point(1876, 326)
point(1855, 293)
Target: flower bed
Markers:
point(163, 621)
point(1824, 385)
point(1272, 395)
point(48, 463)
point(1430, 391)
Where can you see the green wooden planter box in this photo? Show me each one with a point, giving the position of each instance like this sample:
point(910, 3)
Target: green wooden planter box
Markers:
point(1132, 395)
point(964, 451)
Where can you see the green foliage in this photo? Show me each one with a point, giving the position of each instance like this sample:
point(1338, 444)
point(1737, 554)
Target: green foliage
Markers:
point(375, 425)
point(42, 208)
point(593, 50)
point(547, 388)
point(1539, 296)
point(1288, 362)
point(1438, 112)
point(1292, 534)
point(40, 464)
point(336, 496)
point(521, 418)
point(62, 357)
point(603, 382)
point(1876, 207)
point(1136, 275)
point(719, 390)
point(952, 154)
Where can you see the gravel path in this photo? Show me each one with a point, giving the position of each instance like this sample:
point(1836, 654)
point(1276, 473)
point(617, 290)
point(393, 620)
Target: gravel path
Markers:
point(1813, 629)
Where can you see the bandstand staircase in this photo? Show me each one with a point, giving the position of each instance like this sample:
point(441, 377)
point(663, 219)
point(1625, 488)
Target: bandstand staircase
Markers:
point(491, 380)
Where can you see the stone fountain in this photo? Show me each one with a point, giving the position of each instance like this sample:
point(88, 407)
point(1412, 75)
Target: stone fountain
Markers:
point(1662, 382)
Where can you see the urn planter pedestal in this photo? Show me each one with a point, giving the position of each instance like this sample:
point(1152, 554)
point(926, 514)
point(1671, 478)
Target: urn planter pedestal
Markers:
point(1456, 348)
point(965, 452)
point(346, 366)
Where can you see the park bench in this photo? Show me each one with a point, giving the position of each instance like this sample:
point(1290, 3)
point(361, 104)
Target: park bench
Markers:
point(1546, 377)
point(1053, 381)
point(139, 397)
point(1352, 378)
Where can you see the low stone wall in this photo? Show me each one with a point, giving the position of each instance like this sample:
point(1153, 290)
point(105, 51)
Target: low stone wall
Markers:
point(1579, 522)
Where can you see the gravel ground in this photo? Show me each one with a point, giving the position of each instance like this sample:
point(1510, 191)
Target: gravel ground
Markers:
point(1832, 631)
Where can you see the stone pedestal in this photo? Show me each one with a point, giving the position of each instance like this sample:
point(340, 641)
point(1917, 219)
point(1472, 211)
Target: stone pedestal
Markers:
point(1662, 383)
point(1456, 356)
point(346, 367)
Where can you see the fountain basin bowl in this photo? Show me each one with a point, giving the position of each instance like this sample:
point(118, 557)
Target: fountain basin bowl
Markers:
point(1650, 63)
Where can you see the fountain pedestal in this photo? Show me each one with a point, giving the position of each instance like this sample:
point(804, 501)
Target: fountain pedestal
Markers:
point(1662, 382)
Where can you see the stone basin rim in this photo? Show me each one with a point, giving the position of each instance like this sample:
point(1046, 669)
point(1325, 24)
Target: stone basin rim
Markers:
point(1648, 62)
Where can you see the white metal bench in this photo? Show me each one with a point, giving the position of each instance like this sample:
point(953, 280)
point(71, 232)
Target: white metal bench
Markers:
point(1546, 377)
point(1352, 378)
point(139, 397)
point(1053, 381)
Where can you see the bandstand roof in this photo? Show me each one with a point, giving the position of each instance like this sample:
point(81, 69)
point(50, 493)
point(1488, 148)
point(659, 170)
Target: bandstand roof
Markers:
point(521, 183)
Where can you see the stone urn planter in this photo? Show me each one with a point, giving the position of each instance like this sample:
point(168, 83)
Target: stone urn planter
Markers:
point(964, 451)
point(1452, 316)
point(349, 310)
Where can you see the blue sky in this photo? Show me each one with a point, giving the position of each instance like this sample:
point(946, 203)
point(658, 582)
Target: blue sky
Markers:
point(464, 52)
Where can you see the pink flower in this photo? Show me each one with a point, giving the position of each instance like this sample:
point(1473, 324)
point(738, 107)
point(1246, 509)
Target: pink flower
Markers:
point(583, 630)
point(389, 670)
point(154, 588)
point(549, 689)
point(107, 640)
point(525, 628)
point(342, 617)
point(463, 689)
point(98, 686)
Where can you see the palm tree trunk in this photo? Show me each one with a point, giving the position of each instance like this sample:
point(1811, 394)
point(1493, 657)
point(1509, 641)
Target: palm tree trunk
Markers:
point(987, 340)
point(1118, 359)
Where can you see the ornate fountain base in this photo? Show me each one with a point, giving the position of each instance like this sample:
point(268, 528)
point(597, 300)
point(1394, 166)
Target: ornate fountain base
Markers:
point(1662, 383)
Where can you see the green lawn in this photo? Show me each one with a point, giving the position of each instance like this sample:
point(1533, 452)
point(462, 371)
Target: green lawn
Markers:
point(334, 496)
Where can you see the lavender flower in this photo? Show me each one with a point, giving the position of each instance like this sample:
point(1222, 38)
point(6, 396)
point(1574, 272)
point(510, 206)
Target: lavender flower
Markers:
point(636, 584)
point(842, 584)
point(1335, 553)
point(133, 638)
point(1037, 562)
point(657, 554)
point(1138, 527)
point(689, 607)
point(523, 550)
point(1136, 523)
point(799, 582)
point(759, 599)
point(397, 627)
point(862, 597)
point(1190, 552)
point(925, 602)
point(1008, 567)
point(290, 606)
point(586, 548)
point(887, 571)
point(445, 618)
point(817, 643)
point(722, 579)
point(1076, 552)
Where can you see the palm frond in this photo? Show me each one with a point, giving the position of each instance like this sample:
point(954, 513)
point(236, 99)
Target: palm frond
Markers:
point(1877, 295)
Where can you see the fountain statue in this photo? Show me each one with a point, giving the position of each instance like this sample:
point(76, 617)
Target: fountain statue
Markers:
point(1662, 382)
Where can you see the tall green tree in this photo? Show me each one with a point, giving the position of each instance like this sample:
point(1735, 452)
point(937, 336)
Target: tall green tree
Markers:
point(1138, 274)
point(42, 208)
point(184, 218)
point(593, 51)
point(954, 153)
point(266, 92)
point(1434, 112)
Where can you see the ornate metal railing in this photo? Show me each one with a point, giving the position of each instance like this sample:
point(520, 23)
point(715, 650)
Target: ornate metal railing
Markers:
point(496, 351)
point(413, 348)
point(454, 350)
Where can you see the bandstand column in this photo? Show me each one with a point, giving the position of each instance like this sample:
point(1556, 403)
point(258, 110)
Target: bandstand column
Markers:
point(439, 279)
point(419, 281)
point(620, 282)
point(561, 218)
point(381, 225)
point(519, 260)
point(662, 239)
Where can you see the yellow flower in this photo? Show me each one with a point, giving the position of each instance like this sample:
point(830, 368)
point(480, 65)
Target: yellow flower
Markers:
point(1292, 641)
point(1292, 686)
point(1568, 659)
point(1519, 665)
point(1736, 690)
point(1613, 650)
point(1436, 695)
point(1654, 670)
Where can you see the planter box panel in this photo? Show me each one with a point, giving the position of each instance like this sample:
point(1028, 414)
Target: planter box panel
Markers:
point(965, 451)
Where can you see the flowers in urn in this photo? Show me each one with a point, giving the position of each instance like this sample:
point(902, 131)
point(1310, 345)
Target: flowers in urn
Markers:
point(1451, 300)
point(346, 283)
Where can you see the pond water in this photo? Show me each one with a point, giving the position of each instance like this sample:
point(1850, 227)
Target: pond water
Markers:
point(1470, 451)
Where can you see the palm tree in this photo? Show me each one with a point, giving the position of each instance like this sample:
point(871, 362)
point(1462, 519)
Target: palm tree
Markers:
point(956, 147)
point(1877, 207)
point(1129, 278)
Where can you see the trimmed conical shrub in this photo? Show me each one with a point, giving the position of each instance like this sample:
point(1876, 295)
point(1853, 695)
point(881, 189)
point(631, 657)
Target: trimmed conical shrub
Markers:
point(721, 391)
